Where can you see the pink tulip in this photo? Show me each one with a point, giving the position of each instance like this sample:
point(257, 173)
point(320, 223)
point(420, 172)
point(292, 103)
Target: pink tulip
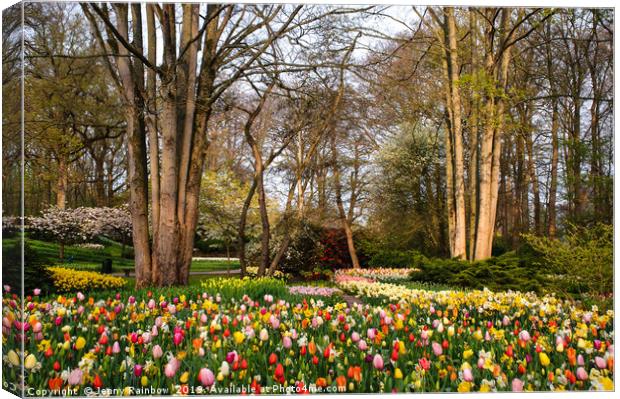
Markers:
point(362, 345)
point(355, 337)
point(377, 362)
point(232, 357)
point(517, 385)
point(132, 299)
point(206, 377)
point(581, 374)
point(425, 363)
point(116, 348)
point(286, 342)
point(157, 352)
point(80, 296)
point(467, 375)
point(171, 367)
point(480, 362)
point(524, 336)
point(37, 291)
point(371, 333)
point(437, 350)
point(151, 304)
point(177, 338)
point(580, 360)
point(600, 362)
point(75, 377)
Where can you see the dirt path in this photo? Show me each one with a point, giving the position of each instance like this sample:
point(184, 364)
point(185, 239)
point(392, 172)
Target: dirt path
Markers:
point(351, 299)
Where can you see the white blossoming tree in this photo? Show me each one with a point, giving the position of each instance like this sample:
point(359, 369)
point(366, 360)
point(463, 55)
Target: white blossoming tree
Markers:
point(70, 226)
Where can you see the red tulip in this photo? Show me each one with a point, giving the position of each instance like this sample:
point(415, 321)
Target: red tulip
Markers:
point(273, 358)
point(97, 383)
point(56, 366)
point(509, 351)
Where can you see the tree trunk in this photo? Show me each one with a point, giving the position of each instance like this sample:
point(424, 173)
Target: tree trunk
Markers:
point(137, 172)
point(553, 185)
point(460, 231)
point(341, 212)
point(62, 183)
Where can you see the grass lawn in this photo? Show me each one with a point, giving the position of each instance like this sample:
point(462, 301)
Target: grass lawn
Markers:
point(90, 259)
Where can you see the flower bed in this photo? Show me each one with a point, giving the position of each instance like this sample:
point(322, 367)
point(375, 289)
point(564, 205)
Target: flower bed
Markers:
point(205, 340)
point(316, 291)
point(383, 274)
point(75, 280)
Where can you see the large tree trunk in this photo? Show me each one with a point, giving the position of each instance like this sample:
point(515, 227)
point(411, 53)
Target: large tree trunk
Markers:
point(460, 232)
point(136, 144)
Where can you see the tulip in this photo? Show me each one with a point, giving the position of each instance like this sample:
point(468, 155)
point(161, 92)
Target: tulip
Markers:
point(362, 345)
point(437, 350)
point(263, 335)
point(170, 369)
point(225, 368)
point(544, 359)
point(286, 342)
point(580, 361)
point(30, 361)
point(377, 362)
point(273, 358)
point(517, 385)
point(467, 375)
point(137, 370)
point(116, 348)
point(75, 377)
point(80, 343)
point(355, 337)
point(398, 374)
point(600, 362)
point(206, 377)
point(37, 291)
point(177, 338)
point(581, 374)
point(524, 336)
point(371, 333)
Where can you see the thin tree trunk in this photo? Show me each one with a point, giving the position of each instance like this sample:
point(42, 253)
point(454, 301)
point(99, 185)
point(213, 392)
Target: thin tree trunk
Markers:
point(341, 212)
point(62, 183)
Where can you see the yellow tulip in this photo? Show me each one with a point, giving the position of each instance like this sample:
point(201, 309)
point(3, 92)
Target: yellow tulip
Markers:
point(144, 380)
point(184, 377)
point(544, 359)
point(30, 361)
point(398, 374)
point(80, 343)
point(13, 358)
point(239, 337)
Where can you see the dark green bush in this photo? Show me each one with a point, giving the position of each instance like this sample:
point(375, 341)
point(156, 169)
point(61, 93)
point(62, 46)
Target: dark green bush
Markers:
point(395, 258)
point(505, 272)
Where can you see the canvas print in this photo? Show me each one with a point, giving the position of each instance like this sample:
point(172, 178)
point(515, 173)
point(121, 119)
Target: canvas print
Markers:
point(231, 199)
